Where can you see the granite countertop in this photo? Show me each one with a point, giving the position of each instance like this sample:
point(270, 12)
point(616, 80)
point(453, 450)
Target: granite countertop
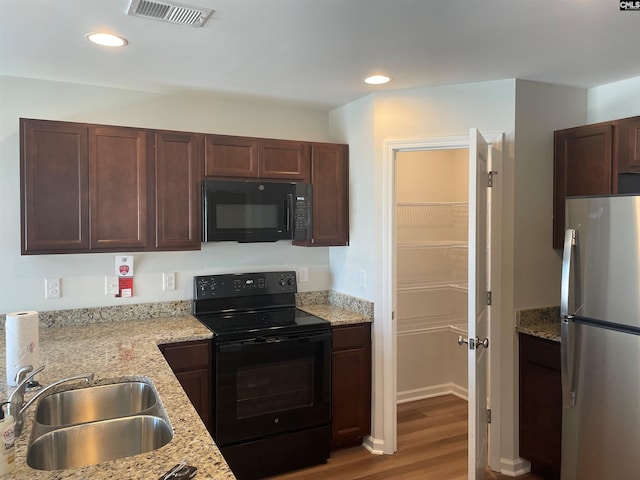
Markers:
point(543, 322)
point(336, 315)
point(115, 346)
point(337, 308)
point(117, 351)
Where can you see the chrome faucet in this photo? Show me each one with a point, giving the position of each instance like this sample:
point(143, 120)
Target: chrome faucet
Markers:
point(17, 405)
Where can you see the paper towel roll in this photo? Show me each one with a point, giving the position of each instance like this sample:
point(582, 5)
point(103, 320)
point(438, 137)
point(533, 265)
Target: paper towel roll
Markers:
point(23, 342)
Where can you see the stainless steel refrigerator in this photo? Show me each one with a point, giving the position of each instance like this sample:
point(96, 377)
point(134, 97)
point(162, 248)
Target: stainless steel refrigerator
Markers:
point(600, 349)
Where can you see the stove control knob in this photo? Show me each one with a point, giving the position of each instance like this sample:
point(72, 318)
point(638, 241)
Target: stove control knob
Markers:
point(290, 281)
point(282, 282)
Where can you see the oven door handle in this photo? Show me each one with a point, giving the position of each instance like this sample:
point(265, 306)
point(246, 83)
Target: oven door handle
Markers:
point(262, 341)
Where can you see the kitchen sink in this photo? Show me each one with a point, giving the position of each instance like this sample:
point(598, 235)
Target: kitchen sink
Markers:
point(95, 442)
point(75, 428)
point(96, 403)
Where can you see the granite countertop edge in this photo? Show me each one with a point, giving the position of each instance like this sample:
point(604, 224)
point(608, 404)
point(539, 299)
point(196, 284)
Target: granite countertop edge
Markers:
point(541, 322)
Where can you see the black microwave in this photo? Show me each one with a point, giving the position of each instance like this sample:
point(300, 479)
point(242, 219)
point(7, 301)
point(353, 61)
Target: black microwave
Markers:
point(255, 211)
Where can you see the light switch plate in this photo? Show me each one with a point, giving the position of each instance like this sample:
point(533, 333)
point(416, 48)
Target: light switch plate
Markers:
point(111, 286)
point(303, 274)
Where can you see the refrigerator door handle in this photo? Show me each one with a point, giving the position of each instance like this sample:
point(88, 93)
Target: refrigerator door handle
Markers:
point(566, 342)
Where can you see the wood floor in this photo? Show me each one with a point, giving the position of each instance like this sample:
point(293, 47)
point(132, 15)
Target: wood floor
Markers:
point(432, 444)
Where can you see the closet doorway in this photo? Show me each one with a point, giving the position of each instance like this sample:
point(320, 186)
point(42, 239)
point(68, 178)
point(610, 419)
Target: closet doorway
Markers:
point(441, 327)
point(432, 208)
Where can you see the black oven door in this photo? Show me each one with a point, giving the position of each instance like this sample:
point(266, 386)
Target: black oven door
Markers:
point(271, 385)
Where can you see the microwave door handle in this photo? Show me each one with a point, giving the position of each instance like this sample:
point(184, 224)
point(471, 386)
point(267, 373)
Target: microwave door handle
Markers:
point(288, 208)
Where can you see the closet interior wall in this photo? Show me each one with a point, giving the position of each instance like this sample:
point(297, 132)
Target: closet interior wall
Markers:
point(431, 268)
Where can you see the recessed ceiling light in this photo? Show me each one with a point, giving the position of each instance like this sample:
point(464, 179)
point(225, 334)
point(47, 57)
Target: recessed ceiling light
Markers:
point(106, 39)
point(377, 79)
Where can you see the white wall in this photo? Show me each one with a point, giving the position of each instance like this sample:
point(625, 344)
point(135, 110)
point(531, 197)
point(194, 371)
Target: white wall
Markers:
point(353, 124)
point(22, 279)
point(417, 114)
point(540, 109)
point(614, 100)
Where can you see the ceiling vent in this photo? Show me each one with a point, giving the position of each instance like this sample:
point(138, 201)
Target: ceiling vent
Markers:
point(169, 12)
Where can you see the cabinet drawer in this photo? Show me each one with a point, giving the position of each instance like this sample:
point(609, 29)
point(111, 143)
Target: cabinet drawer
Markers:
point(351, 336)
point(540, 351)
point(187, 355)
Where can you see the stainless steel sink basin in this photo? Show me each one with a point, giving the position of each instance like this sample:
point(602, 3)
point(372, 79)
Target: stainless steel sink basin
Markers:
point(75, 428)
point(95, 442)
point(96, 403)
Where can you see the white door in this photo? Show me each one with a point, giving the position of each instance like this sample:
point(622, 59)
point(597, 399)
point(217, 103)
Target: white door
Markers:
point(478, 310)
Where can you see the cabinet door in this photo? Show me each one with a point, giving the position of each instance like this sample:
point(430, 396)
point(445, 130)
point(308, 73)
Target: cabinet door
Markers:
point(629, 149)
point(177, 176)
point(330, 182)
point(118, 188)
point(284, 159)
point(55, 187)
point(540, 405)
point(227, 156)
point(582, 166)
point(191, 363)
point(197, 385)
point(351, 383)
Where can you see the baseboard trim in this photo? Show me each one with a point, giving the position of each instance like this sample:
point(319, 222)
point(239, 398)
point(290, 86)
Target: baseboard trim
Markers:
point(432, 391)
point(514, 467)
point(374, 445)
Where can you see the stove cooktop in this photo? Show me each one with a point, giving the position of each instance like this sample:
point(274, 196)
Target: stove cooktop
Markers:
point(256, 324)
point(251, 305)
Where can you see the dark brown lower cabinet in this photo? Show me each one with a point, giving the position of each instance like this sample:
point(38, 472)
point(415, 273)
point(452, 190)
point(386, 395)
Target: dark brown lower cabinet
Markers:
point(351, 384)
point(191, 364)
point(540, 405)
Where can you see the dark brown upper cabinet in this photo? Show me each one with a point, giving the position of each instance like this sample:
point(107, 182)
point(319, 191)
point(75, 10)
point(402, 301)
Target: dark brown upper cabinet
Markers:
point(243, 157)
point(227, 156)
point(118, 188)
point(582, 166)
point(177, 173)
point(629, 141)
point(54, 178)
point(330, 182)
point(94, 188)
point(284, 159)
point(98, 188)
point(597, 159)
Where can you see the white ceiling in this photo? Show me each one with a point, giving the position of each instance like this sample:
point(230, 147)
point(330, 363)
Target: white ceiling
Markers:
point(318, 51)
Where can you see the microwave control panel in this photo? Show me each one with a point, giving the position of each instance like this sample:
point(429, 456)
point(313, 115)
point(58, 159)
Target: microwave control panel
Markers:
point(302, 212)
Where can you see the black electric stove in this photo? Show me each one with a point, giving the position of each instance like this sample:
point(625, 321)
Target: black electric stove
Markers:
point(271, 373)
point(251, 305)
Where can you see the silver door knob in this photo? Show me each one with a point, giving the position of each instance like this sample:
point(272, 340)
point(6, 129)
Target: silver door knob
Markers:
point(473, 343)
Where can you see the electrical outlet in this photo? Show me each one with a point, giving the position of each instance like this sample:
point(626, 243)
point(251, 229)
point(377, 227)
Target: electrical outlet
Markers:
point(52, 288)
point(303, 274)
point(168, 281)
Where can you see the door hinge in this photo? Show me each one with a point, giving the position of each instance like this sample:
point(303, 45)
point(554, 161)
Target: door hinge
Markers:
point(489, 297)
point(491, 174)
point(488, 415)
point(393, 315)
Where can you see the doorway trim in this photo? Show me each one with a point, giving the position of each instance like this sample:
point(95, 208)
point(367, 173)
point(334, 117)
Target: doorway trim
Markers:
point(389, 285)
